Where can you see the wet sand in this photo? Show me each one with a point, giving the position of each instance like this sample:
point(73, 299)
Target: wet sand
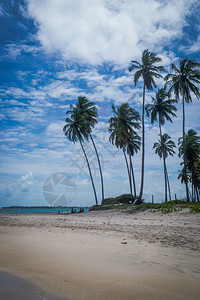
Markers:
point(16, 288)
point(104, 255)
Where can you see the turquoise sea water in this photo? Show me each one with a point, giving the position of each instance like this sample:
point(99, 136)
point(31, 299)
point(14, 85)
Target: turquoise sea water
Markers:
point(32, 210)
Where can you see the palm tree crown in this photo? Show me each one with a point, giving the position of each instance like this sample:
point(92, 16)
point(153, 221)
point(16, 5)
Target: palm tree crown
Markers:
point(147, 69)
point(76, 128)
point(184, 79)
point(164, 146)
point(162, 108)
point(192, 146)
point(123, 125)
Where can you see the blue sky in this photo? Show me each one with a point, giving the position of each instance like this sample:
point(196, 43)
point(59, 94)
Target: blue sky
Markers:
point(53, 51)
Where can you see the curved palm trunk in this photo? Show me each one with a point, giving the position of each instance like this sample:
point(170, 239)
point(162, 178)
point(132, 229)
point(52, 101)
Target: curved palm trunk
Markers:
point(184, 155)
point(143, 146)
point(133, 176)
point(164, 164)
point(100, 170)
point(129, 173)
point(95, 194)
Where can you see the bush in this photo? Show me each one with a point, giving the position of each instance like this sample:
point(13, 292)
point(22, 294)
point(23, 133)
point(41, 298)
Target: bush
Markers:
point(125, 198)
point(195, 208)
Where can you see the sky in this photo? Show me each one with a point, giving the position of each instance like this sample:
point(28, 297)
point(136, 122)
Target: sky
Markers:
point(53, 51)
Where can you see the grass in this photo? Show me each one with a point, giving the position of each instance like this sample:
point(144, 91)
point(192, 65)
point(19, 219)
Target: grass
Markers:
point(164, 208)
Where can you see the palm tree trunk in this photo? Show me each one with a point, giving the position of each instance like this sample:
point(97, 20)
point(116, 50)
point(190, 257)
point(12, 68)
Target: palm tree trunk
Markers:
point(165, 174)
point(169, 189)
point(129, 173)
point(133, 176)
point(184, 155)
point(193, 193)
point(100, 170)
point(164, 164)
point(194, 182)
point(95, 194)
point(143, 145)
point(197, 194)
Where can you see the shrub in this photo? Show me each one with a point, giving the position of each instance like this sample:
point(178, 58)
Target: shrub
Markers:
point(125, 198)
point(195, 208)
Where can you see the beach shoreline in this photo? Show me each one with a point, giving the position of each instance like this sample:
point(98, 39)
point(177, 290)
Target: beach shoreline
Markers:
point(104, 255)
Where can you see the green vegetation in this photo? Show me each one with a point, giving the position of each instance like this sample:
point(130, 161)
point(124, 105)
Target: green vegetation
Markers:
point(125, 198)
point(122, 203)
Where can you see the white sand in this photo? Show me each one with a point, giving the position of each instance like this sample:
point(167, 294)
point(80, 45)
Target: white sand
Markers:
point(85, 256)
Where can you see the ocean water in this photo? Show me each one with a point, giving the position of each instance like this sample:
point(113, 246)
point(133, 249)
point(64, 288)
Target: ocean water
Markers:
point(32, 210)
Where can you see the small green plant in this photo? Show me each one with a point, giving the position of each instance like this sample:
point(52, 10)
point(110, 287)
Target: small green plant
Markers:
point(195, 208)
point(166, 210)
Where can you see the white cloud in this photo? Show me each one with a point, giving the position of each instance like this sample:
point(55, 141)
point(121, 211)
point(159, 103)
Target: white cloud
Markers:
point(107, 31)
point(26, 181)
point(14, 50)
point(2, 116)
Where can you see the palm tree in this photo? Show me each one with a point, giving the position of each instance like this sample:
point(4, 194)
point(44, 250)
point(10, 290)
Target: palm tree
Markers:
point(133, 146)
point(147, 70)
point(77, 129)
point(163, 148)
point(182, 82)
point(88, 111)
point(160, 110)
point(192, 145)
point(123, 135)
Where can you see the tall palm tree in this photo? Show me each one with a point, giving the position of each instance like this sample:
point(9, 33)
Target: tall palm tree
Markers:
point(192, 145)
point(160, 110)
point(147, 70)
point(123, 135)
point(182, 82)
point(77, 129)
point(163, 148)
point(88, 111)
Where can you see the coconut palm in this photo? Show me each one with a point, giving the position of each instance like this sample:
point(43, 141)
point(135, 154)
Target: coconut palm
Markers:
point(147, 70)
point(192, 145)
point(160, 110)
point(182, 82)
point(88, 111)
point(163, 148)
point(122, 129)
point(77, 129)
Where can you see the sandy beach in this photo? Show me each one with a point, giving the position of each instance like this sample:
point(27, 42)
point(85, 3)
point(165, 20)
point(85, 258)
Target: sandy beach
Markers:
point(103, 255)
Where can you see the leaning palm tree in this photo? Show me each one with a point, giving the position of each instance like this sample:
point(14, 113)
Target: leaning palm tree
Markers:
point(160, 110)
point(122, 129)
point(75, 130)
point(192, 145)
point(163, 148)
point(182, 82)
point(88, 111)
point(147, 70)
